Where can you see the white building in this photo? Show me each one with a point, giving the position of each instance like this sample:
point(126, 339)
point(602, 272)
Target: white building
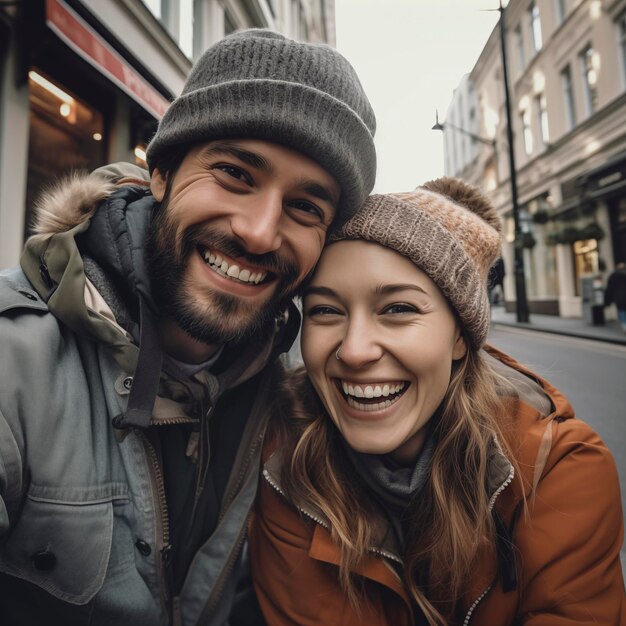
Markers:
point(84, 82)
point(566, 62)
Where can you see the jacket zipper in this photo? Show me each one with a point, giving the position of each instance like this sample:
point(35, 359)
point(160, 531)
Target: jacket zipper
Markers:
point(163, 559)
point(234, 553)
point(492, 501)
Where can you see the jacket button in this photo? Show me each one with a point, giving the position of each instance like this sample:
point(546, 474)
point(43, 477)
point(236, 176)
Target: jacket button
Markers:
point(143, 547)
point(44, 560)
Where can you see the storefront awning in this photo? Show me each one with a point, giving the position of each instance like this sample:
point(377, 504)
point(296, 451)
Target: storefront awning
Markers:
point(606, 179)
point(79, 36)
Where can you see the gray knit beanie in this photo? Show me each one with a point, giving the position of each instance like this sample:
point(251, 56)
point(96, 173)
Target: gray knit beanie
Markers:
point(257, 84)
point(449, 230)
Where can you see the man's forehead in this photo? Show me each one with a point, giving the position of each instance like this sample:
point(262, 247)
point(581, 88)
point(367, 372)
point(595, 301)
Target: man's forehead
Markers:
point(259, 153)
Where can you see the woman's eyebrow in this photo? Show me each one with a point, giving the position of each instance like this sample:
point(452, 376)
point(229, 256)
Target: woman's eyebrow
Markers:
point(389, 289)
point(319, 291)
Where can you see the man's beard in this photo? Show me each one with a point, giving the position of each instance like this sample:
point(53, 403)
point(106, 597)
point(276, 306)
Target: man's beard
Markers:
point(208, 315)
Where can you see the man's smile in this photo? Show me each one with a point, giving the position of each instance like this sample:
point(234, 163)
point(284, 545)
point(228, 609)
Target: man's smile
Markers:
point(235, 270)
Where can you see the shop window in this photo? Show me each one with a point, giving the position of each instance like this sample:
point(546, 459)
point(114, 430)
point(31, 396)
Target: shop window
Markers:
point(65, 135)
point(586, 260)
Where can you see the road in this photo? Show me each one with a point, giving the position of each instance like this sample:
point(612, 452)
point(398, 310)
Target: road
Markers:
point(590, 373)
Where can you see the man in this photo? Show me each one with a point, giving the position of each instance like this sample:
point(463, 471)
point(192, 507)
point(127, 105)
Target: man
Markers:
point(139, 335)
point(615, 292)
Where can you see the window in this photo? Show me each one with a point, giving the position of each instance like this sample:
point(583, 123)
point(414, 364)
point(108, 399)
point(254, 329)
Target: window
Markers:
point(155, 7)
point(568, 95)
point(542, 116)
point(561, 11)
point(229, 24)
point(527, 132)
point(185, 33)
point(621, 30)
point(590, 78)
point(519, 44)
point(535, 27)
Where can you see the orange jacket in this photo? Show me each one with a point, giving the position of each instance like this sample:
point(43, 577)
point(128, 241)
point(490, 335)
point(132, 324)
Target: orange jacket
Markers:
point(567, 546)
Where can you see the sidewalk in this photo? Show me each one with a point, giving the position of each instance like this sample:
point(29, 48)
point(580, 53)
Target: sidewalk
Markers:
point(610, 331)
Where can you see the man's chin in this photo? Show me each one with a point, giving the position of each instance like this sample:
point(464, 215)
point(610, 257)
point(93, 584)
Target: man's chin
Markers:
point(226, 320)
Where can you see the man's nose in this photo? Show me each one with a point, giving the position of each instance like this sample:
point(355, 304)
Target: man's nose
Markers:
point(360, 346)
point(258, 227)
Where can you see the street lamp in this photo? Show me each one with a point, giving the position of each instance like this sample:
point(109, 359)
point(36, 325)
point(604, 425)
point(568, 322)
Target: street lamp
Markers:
point(520, 282)
point(442, 127)
point(518, 250)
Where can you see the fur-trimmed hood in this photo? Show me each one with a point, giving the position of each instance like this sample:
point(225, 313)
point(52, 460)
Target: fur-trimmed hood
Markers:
point(87, 260)
point(69, 202)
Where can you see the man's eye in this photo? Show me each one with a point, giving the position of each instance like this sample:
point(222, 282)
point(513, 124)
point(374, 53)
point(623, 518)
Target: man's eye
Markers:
point(235, 172)
point(307, 211)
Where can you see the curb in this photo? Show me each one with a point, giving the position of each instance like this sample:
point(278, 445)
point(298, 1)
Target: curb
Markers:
point(568, 333)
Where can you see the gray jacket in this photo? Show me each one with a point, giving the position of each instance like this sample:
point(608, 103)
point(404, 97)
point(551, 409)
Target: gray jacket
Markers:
point(83, 519)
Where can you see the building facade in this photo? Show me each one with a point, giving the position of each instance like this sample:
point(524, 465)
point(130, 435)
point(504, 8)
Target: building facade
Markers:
point(84, 82)
point(566, 63)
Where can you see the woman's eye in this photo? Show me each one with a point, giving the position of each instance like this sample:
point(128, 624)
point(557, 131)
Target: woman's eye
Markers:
point(401, 308)
point(320, 309)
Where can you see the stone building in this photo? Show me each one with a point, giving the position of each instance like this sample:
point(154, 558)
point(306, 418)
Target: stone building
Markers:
point(566, 63)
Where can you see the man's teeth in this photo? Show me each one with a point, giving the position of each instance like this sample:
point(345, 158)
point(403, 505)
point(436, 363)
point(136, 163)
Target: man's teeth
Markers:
point(371, 391)
point(216, 262)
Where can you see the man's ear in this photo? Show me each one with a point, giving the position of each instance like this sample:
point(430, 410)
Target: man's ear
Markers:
point(460, 346)
point(157, 185)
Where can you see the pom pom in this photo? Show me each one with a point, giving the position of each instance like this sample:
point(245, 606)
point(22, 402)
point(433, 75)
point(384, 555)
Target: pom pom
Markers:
point(466, 195)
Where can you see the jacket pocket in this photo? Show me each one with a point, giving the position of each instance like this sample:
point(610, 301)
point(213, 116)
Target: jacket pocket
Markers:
point(62, 547)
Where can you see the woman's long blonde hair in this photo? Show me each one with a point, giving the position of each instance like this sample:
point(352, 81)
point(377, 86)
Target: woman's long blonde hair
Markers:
point(453, 520)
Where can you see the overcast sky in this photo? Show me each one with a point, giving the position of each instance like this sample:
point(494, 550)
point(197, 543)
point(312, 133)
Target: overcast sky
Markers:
point(410, 56)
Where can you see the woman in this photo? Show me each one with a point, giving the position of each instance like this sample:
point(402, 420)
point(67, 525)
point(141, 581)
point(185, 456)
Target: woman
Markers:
point(413, 477)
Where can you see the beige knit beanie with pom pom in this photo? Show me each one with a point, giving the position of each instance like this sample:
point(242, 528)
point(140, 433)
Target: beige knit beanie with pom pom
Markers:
point(449, 230)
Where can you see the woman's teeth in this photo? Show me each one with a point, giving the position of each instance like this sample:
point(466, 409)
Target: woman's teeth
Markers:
point(221, 266)
point(389, 393)
point(371, 391)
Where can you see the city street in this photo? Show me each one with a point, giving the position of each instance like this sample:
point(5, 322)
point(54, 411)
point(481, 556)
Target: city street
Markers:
point(592, 374)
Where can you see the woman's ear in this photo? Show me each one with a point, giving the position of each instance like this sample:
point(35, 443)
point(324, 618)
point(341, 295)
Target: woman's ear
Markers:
point(157, 185)
point(460, 346)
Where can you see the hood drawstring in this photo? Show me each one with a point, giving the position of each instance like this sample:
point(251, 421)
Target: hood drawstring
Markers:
point(145, 386)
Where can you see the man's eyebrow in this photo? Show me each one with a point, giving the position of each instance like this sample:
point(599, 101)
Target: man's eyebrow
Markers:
point(245, 156)
point(318, 191)
point(389, 289)
point(319, 291)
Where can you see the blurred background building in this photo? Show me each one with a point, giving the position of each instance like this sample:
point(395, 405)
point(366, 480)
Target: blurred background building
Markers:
point(566, 63)
point(84, 82)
